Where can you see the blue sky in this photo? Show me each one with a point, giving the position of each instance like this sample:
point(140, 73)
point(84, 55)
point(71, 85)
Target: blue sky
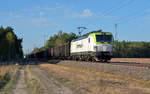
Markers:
point(32, 19)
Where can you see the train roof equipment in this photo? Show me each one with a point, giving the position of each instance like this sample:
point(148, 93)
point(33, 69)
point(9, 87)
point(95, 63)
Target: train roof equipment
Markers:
point(87, 34)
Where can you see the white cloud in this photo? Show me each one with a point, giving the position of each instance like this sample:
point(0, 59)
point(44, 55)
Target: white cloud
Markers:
point(41, 14)
point(35, 11)
point(44, 8)
point(18, 16)
point(57, 4)
point(85, 14)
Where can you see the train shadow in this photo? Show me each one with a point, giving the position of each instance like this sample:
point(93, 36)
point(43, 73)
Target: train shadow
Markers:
point(53, 61)
point(39, 61)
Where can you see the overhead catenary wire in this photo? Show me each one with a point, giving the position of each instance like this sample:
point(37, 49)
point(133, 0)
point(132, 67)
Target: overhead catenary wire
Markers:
point(121, 4)
point(134, 15)
point(111, 8)
point(130, 17)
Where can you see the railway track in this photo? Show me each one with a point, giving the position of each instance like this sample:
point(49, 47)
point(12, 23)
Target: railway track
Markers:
point(131, 64)
point(136, 64)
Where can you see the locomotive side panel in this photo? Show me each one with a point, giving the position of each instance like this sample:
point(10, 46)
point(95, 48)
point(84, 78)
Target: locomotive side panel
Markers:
point(80, 46)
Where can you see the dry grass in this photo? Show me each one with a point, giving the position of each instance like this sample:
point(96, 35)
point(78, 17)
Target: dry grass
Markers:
point(90, 82)
point(7, 69)
point(7, 78)
point(34, 85)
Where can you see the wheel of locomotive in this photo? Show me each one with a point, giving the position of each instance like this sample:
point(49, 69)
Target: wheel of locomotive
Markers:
point(73, 58)
point(69, 58)
point(80, 58)
point(87, 58)
point(93, 59)
point(76, 58)
point(90, 59)
point(84, 58)
point(104, 60)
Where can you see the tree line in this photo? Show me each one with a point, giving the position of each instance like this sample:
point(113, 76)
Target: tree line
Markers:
point(131, 49)
point(57, 40)
point(126, 49)
point(60, 39)
point(10, 45)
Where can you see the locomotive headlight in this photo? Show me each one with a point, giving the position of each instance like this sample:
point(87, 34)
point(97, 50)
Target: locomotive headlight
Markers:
point(95, 48)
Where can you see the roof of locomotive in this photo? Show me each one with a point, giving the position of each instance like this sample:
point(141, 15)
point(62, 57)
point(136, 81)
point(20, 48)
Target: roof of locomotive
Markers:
point(87, 34)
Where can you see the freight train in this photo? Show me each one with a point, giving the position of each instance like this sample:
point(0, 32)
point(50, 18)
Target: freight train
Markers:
point(93, 46)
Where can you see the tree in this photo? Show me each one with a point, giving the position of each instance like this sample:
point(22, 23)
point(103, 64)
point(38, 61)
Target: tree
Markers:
point(132, 49)
point(60, 39)
point(10, 45)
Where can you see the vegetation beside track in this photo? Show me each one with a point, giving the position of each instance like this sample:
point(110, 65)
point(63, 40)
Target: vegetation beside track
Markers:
point(131, 49)
point(34, 84)
point(57, 40)
point(83, 81)
point(8, 77)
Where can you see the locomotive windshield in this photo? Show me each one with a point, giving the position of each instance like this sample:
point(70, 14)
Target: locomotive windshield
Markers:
point(103, 38)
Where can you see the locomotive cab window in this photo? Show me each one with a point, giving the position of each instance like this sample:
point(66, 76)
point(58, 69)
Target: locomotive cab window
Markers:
point(103, 38)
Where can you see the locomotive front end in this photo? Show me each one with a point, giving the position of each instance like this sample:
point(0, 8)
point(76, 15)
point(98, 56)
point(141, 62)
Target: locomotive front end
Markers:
point(104, 46)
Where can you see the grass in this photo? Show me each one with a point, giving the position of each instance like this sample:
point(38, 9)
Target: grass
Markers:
point(33, 83)
point(7, 78)
point(91, 82)
point(81, 69)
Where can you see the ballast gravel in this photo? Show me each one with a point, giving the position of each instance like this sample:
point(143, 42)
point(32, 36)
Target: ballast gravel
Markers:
point(127, 71)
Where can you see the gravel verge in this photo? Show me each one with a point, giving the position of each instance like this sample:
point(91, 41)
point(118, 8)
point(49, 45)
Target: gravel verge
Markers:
point(127, 71)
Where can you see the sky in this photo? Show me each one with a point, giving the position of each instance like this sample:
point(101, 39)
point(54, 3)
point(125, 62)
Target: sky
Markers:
point(36, 20)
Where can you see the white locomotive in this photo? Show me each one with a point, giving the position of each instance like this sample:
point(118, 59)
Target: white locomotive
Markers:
point(93, 46)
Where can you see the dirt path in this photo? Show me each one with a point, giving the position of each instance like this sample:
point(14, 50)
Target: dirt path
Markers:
point(51, 85)
point(20, 87)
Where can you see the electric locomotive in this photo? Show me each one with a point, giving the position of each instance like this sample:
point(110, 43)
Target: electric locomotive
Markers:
point(94, 46)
